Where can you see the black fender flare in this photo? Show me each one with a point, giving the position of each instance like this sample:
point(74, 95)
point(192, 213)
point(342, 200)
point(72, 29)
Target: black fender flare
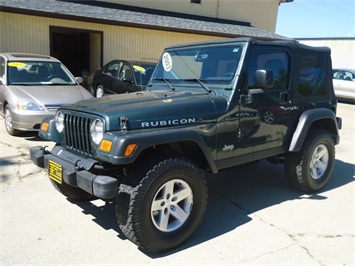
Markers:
point(149, 139)
point(307, 119)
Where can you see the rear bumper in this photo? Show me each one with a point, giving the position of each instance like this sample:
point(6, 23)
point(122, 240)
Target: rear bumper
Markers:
point(76, 171)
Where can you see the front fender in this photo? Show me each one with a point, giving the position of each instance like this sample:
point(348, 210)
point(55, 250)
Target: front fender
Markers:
point(311, 118)
point(51, 133)
point(145, 140)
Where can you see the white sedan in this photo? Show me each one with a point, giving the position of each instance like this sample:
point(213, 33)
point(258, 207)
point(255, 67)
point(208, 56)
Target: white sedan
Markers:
point(33, 87)
point(344, 84)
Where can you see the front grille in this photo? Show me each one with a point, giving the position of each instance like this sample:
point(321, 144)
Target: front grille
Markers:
point(77, 133)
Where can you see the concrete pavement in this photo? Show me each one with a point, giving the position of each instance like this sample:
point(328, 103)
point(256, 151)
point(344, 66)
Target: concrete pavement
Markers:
point(253, 217)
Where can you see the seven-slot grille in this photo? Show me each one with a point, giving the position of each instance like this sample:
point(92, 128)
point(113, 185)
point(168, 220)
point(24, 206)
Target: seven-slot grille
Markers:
point(77, 133)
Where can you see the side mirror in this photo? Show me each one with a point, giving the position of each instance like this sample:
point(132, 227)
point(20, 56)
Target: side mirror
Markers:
point(263, 78)
point(127, 80)
point(79, 79)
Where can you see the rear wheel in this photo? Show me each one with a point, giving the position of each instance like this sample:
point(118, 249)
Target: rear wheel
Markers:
point(165, 208)
point(9, 122)
point(310, 169)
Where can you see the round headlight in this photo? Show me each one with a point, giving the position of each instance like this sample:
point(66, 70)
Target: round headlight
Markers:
point(59, 121)
point(97, 131)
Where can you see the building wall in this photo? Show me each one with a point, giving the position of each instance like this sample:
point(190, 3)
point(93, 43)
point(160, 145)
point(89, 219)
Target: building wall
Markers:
point(24, 33)
point(342, 50)
point(260, 13)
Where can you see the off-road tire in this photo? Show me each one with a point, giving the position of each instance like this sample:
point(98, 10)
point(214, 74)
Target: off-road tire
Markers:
point(310, 169)
point(72, 193)
point(137, 217)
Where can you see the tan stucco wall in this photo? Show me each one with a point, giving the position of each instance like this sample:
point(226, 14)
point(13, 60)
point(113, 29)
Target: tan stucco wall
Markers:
point(23, 33)
point(260, 13)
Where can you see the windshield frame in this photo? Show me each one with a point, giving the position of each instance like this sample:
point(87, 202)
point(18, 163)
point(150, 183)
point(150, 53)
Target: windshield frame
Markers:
point(192, 80)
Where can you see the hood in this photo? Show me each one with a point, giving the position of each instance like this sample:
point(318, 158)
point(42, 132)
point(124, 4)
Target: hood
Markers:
point(154, 109)
point(51, 95)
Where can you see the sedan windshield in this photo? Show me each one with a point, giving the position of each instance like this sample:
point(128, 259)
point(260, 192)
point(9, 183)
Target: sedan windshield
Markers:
point(38, 73)
point(210, 64)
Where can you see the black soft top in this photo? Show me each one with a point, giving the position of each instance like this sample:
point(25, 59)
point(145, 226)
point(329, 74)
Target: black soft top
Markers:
point(286, 43)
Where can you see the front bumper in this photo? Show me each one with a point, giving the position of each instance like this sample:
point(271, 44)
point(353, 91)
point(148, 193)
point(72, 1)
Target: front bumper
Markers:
point(76, 171)
point(29, 120)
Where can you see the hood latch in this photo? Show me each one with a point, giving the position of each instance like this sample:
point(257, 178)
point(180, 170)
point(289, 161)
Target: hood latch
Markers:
point(123, 124)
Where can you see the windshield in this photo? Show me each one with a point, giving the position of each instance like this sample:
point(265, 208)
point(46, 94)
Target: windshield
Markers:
point(143, 73)
point(210, 64)
point(38, 73)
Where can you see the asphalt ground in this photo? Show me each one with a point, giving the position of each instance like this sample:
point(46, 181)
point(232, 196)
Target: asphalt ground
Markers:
point(253, 216)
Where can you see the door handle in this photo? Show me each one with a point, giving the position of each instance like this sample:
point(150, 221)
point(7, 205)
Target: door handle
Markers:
point(283, 97)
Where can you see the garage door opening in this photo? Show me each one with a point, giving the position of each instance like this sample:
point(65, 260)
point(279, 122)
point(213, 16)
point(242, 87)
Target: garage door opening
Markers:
point(79, 50)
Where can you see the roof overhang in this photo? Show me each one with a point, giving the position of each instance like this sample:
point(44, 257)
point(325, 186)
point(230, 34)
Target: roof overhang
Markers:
point(102, 15)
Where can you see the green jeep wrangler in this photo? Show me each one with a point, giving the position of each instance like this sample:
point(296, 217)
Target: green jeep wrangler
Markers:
point(209, 106)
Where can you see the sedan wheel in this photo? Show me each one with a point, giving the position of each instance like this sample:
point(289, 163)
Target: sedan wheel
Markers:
point(8, 122)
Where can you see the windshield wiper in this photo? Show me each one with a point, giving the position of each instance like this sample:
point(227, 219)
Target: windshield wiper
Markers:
point(20, 84)
point(201, 83)
point(167, 82)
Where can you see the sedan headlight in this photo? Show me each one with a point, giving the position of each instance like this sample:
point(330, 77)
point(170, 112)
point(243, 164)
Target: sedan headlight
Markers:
point(30, 106)
point(59, 121)
point(97, 131)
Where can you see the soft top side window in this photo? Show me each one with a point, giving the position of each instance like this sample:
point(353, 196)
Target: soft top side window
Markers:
point(274, 60)
point(312, 80)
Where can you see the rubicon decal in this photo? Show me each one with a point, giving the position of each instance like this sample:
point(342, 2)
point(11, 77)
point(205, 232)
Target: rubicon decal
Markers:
point(159, 123)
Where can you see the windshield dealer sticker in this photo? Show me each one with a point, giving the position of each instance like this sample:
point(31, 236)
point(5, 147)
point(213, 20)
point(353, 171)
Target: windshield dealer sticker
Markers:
point(16, 64)
point(167, 62)
point(140, 69)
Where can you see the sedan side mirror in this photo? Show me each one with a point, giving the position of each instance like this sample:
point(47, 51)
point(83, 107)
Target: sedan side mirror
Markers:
point(79, 79)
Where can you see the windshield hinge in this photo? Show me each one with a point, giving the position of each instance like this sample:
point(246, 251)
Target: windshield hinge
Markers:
point(123, 124)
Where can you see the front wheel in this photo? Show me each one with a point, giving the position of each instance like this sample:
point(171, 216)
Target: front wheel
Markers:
point(310, 169)
point(9, 122)
point(165, 208)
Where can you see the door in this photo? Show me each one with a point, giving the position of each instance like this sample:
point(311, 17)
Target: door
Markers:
point(109, 77)
point(271, 105)
point(125, 82)
point(260, 123)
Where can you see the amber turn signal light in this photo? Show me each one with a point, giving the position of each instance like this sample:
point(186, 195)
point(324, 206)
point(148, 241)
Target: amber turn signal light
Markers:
point(44, 126)
point(130, 149)
point(106, 145)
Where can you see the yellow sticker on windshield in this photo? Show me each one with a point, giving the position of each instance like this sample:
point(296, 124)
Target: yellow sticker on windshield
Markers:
point(140, 69)
point(16, 64)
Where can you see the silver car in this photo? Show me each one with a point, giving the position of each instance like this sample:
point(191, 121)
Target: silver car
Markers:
point(344, 84)
point(32, 87)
